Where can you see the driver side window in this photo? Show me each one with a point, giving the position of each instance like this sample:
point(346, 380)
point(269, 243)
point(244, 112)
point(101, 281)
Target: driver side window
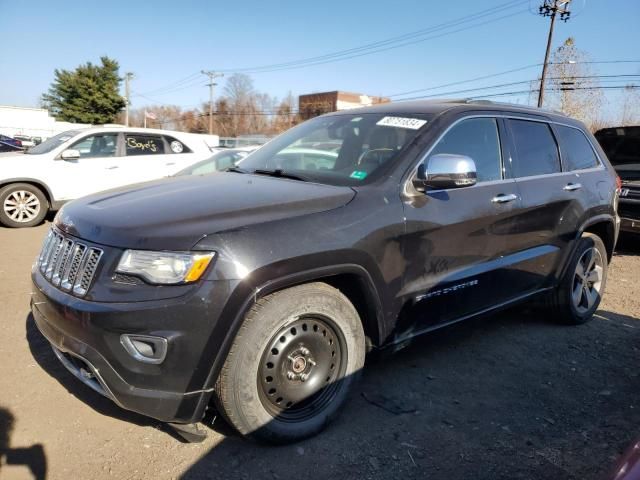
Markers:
point(478, 139)
point(100, 145)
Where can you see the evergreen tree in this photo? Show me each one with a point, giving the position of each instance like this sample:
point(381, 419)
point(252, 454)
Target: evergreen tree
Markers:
point(89, 94)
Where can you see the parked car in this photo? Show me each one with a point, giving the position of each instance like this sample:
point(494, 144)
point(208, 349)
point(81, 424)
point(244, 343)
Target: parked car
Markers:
point(79, 162)
point(10, 144)
point(219, 161)
point(27, 141)
point(258, 291)
point(622, 146)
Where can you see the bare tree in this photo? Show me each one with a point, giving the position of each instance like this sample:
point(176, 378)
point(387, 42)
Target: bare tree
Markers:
point(572, 85)
point(630, 105)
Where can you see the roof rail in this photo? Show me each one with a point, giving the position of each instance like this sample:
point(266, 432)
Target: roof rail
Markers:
point(509, 104)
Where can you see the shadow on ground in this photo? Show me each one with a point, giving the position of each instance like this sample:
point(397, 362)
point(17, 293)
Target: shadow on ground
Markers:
point(502, 397)
point(32, 457)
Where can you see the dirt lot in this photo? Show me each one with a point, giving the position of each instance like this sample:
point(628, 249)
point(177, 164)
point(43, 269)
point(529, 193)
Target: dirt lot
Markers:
point(509, 396)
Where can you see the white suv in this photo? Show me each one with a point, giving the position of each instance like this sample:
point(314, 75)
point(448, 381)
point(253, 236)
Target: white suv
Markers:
point(79, 162)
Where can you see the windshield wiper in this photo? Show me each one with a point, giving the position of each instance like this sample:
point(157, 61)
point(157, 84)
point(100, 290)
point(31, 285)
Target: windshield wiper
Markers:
point(278, 172)
point(236, 170)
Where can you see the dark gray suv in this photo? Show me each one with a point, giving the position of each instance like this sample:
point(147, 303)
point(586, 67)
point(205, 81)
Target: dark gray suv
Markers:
point(258, 291)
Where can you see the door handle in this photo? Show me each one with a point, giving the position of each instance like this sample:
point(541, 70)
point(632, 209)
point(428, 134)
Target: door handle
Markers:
point(502, 198)
point(170, 163)
point(571, 187)
point(112, 167)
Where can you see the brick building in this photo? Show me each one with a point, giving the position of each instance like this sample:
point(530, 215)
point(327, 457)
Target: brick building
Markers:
point(314, 104)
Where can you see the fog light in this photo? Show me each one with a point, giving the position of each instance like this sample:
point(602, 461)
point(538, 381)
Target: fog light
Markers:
point(145, 348)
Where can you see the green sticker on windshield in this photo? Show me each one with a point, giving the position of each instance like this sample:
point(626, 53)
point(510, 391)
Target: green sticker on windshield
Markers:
point(358, 175)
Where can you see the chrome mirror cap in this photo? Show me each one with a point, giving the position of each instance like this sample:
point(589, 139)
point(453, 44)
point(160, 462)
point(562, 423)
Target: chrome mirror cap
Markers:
point(445, 170)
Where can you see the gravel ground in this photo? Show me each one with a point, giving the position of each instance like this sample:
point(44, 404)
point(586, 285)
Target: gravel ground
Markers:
point(507, 396)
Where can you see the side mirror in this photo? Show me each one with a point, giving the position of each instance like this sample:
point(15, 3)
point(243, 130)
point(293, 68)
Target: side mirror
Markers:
point(70, 154)
point(445, 171)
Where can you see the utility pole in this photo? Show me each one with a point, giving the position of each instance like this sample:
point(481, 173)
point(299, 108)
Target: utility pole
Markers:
point(127, 78)
point(550, 8)
point(212, 75)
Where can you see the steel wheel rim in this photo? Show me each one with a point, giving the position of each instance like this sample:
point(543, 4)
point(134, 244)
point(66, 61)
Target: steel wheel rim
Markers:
point(21, 206)
point(301, 367)
point(587, 280)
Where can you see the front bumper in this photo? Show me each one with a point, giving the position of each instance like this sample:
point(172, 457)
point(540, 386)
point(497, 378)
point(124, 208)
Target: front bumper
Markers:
point(85, 336)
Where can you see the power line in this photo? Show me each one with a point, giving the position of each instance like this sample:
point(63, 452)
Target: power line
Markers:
point(381, 43)
point(502, 85)
point(368, 49)
point(387, 48)
point(484, 77)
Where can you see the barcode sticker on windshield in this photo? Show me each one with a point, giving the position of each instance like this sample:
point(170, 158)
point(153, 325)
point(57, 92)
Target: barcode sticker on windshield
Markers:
point(402, 122)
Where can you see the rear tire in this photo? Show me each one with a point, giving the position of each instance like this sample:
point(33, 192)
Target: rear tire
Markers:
point(292, 363)
point(580, 291)
point(22, 205)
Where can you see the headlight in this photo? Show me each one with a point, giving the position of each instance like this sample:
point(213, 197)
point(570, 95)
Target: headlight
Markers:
point(165, 267)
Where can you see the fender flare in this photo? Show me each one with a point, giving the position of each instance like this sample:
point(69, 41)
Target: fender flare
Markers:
point(603, 217)
point(280, 283)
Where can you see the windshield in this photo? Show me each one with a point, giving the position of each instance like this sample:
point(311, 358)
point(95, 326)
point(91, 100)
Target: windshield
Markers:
point(52, 143)
point(338, 149)
point(217, 162)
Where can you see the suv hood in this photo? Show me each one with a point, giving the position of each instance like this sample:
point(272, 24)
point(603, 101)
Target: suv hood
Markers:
point(174, 213)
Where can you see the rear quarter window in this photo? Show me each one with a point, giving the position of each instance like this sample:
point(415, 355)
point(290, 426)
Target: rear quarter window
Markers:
point(577, 153)
point(176, 146)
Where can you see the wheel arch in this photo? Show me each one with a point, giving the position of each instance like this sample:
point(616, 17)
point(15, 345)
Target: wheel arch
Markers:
point(353, 280)
point(604, 227)
point(36, 183)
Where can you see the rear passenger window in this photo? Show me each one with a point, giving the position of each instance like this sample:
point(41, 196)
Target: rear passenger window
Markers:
point(536, 149)
point(476, 138)
point(143, 144)
point(577, 153)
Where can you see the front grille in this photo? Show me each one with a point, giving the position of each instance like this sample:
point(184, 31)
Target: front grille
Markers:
point(630, 190)
point(68, 264)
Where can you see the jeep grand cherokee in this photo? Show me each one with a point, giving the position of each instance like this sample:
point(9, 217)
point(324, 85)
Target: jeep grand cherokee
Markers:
point(258, 291)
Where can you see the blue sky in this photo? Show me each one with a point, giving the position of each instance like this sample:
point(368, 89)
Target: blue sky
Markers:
point(164, 42)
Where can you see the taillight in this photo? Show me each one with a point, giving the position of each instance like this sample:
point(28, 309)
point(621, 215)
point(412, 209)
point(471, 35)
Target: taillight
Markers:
point(618, 184)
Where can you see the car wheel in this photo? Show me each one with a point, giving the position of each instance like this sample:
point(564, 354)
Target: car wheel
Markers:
point(22, 205)
point(292, 363)
point(579, 293)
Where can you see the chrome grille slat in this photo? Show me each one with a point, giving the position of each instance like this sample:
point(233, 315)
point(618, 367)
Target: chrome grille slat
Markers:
point(61, 262)
point(69, 276)
point(88, 269)
point(68, 264)
point(53, 259)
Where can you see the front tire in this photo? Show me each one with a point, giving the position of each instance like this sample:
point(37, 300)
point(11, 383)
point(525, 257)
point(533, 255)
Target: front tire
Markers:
point(291, 365)
point(22, 205)
point(580, 291)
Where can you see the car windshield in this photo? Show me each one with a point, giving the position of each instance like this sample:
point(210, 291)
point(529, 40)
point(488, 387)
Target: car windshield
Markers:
point(340, 149)
point(52, 143)
point(217, 162)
